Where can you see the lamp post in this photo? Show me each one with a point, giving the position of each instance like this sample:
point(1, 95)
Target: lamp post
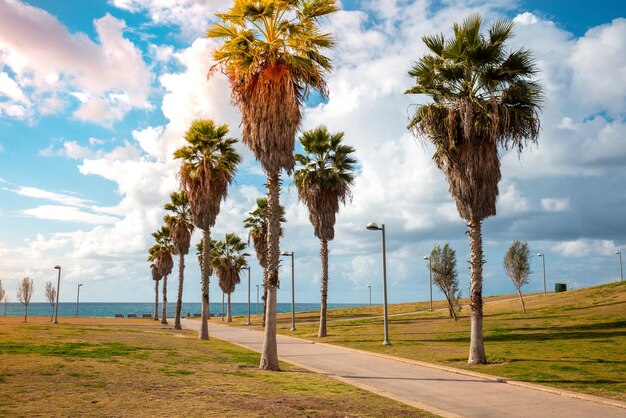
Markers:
point(621, 269)
point(370, 288)
point(372, 226)
point(77, 297)
point(293, 295)
point(257, 299)
point(248, 268)
point(543, 262)
point(56, 307)
point(430, 279)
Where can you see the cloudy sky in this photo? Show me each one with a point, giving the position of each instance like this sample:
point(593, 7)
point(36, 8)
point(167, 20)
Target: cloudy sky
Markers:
point(93, 100)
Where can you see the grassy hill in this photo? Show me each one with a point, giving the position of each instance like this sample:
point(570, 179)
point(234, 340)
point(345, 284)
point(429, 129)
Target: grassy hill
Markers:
point(574, 340)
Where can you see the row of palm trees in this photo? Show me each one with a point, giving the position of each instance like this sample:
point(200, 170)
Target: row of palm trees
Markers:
point(484, 98)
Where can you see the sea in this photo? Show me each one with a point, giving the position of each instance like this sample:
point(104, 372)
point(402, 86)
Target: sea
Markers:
point(104, 310)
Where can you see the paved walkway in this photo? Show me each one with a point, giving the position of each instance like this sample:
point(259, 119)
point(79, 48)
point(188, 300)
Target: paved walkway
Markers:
point(442, 392)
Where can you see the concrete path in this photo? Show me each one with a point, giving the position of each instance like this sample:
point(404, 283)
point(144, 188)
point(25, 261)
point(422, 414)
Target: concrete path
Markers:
point(439, 391)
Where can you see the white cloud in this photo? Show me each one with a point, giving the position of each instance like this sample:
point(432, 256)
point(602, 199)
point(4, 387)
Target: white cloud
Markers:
point(37, 193)
point(48, 61)
point(555, 205)
point(584, 247)
point(67, 214)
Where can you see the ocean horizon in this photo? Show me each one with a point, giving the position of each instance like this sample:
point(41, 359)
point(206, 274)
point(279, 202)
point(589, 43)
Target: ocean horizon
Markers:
point(104, 309)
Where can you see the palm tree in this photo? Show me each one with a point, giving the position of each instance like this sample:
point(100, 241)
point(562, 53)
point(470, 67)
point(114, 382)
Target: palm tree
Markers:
point(272, 56)
point(161, 255)
point(227, 259)
point(181, 226)
point(256, 223)
point(156, 276)
point(484, 97)
point(208, 167)
point(323, 181)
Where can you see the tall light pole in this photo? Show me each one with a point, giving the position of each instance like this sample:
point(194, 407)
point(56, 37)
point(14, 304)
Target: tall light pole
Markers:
point(77, 297)
point(293, 294)
point(372, 226)
point(543, 262)
point(621, 269)
point(370, 288)
point(257, 299)
point(56, 307)
point(430, 279)
point(248, 268)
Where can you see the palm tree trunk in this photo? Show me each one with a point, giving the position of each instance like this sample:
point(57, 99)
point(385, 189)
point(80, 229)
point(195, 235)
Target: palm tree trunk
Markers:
point(25, 312)
point(324, 304)
point(206, 248)
point(52, 314)
point(521, 299)
point(477, 342)
point(230, 315)
point(269, 355)
point(264, 299)
point(156, 300)
point(179, 300)
point(164, 311)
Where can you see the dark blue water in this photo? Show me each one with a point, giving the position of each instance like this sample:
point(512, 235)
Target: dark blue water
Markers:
point(111, 309)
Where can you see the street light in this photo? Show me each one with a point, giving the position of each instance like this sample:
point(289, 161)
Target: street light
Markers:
point(372, 226)
point(293, 295)
point(248, 268)
point(56, 308)
point(77, 297)
point(257, 299)
point(621, 269)
point(370, 288)
point(430, 279)
point(543, 261)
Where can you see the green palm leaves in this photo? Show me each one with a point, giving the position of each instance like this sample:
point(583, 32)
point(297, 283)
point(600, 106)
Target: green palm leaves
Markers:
point(161, 252)
point(324, 177)
point(227, 260)
point(179, 221)
point(208, 167)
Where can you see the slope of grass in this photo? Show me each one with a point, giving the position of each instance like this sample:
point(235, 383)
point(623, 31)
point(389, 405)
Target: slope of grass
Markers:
point(574, 340)
point(136, 368)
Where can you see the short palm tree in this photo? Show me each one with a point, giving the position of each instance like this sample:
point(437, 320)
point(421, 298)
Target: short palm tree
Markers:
point(272, 56)
point(156, 276)
point(256, 223)
point(209, 163)
point(179, 222)
point(484, 97)
point(161, 255)
point(323, 180)
point(227, 260)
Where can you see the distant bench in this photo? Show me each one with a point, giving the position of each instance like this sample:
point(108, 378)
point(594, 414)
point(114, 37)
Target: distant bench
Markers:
point(146, 315)
point(119, 315)
point(132, 315)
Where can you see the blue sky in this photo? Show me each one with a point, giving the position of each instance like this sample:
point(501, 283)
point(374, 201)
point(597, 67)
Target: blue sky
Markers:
point(93, 100)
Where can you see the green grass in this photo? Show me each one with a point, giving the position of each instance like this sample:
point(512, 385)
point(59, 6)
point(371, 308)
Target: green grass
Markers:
point(140, 369)
point(574, 340)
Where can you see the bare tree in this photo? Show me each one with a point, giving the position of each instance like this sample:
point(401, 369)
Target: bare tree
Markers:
point(443, 268)
point(51, 295)
point(517, 267)
point(24, 293)
point(6, 302)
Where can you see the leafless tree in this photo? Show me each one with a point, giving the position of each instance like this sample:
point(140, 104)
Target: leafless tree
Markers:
point(3, 298)
point(24, 293)
point(6, 302)
point(51, 295)
point(517, 267)
point(443, 268)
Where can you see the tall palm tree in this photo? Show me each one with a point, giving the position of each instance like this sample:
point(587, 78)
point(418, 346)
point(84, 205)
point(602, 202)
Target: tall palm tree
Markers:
point(227, 259)
point(161, 255)
point(323, 180)
point(484, 97)
point(156, 276)
point(272, 56)
point(181, 226)
point(256, 223)
point(209, 163)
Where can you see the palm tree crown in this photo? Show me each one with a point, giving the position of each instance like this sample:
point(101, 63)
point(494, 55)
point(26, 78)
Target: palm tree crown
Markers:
point(257, 223)
point(161, 252)
point(483, 96)
point(208, 167)
point(179, 221)
point(324, 178)
point(272, 55)
point(227, 259)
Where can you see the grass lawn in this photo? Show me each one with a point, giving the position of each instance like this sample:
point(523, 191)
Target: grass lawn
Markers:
point(133, 367)
point(574, 340)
